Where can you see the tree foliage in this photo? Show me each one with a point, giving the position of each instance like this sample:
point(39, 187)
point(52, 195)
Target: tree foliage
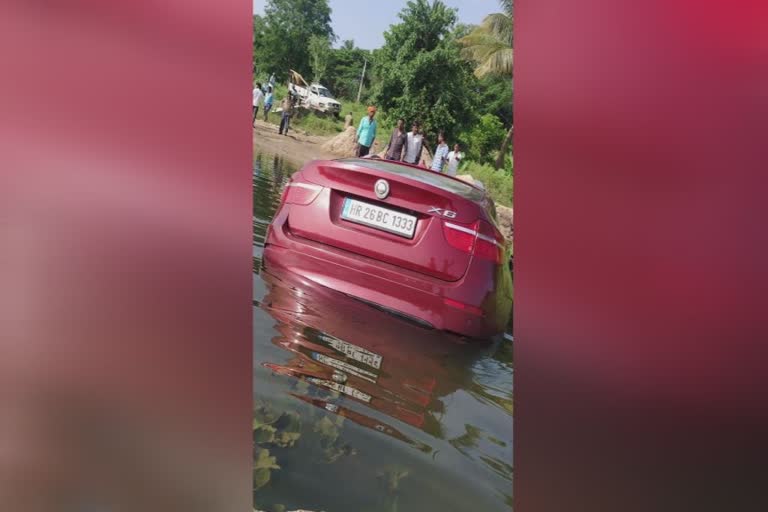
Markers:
point(490, 44)
point(420, 74)
point(345, 69)
point(319, 48)
point(490, 47)
point(280, 37)
point(494, 96)
point(484, 139)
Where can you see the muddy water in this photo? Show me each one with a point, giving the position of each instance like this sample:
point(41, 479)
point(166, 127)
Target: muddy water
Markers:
point(359, 411)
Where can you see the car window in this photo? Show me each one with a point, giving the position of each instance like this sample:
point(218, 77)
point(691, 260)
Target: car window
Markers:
point(441, 181)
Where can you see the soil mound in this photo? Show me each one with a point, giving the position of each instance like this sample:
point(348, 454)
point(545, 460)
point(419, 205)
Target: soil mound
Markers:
point(344, 144)
point(504, 217)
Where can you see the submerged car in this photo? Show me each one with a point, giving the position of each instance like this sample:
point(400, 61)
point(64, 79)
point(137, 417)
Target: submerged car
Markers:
point(419, 244)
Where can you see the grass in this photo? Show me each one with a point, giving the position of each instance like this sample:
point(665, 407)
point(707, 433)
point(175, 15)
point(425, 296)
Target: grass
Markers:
point(315, 124)
point(498, 183)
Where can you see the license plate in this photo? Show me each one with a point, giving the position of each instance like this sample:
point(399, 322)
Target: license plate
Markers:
point(380, 218)
point(359, 354)
point(345, 367)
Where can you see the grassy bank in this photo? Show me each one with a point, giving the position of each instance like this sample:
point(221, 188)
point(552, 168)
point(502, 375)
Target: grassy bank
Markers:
point(499, 184)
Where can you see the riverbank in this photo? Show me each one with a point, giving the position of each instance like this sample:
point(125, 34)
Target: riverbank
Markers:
point(296, 147)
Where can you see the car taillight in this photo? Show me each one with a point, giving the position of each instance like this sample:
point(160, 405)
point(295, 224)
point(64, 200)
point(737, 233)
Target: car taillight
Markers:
point(490, 243)
point(480, 239)
point(460, 236)
point(300, 193)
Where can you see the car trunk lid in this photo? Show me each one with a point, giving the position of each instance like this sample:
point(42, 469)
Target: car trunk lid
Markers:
point(430, 200)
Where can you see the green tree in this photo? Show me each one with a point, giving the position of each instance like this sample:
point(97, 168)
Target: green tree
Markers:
point(484, 138)
point(494, 95)
point(345, 69)
point(420, 74)
point(319, 49)
point(490, 43)
point(281, 35)
point(490, 46)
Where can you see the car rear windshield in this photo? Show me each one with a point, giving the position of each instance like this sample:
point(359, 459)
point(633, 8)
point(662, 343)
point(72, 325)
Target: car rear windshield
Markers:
point(436, 179)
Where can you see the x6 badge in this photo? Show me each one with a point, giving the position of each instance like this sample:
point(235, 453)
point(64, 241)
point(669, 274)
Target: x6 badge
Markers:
point(445, 213)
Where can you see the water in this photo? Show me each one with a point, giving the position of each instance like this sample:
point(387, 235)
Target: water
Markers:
point(359, 411)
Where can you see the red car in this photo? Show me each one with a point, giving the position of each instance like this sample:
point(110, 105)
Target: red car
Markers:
point(413, 242)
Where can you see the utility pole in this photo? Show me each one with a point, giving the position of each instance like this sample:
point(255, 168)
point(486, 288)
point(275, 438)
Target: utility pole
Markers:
point(362, 77)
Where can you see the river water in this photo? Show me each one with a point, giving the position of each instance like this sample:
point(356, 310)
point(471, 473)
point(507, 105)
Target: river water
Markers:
point(359, 411)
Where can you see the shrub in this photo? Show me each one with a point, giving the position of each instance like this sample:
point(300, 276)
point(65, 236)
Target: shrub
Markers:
point(498, 183)
point(317, 125)
point(484, 139)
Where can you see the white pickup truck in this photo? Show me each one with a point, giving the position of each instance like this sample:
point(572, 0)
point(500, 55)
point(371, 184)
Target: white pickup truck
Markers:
point(314, 97)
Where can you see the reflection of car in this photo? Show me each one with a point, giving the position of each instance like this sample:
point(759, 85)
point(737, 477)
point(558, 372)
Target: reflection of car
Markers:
point(363, 420)
point(340, 346)
point(417, 243)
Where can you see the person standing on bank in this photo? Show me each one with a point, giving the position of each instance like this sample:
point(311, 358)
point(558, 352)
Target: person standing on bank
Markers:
point(441, 153)
point(268, 99)
point(258, 97)
point(454, 159)
point(397, 142)
point(414, 143)
point(366, 133)
point(287, 107)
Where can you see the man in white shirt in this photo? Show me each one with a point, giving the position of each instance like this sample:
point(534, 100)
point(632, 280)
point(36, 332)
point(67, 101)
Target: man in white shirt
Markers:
point(454, 158)
point(258, 95)
point(413, 144)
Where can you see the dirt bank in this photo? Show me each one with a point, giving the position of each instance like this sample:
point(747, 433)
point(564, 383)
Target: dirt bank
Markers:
point(296, 147)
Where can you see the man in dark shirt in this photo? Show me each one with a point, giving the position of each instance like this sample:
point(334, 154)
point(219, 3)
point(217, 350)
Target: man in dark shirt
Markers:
point(287, 106)
point(397, 142)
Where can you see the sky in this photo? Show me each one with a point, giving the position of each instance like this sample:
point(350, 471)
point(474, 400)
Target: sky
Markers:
point(365, 21)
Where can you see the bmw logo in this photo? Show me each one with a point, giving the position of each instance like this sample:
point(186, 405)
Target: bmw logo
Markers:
point(382, 189)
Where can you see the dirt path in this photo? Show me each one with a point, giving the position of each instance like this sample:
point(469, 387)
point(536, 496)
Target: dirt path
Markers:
point(295, 147)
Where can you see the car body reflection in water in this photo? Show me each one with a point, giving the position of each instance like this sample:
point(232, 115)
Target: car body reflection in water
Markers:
point(357, 410)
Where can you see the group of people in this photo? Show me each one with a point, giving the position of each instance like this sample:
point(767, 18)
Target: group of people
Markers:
point(407, 146)
point(265, 96)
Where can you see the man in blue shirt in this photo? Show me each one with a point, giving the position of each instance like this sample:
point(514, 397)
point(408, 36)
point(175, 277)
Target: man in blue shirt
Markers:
point(366, 133)
point(268, 99)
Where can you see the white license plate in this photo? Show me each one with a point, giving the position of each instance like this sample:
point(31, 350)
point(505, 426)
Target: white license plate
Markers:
point(380, 218)
point(345, 367)
point(359, 354)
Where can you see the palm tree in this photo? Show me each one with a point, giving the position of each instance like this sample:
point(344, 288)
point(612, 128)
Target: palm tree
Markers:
point(490, 46)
